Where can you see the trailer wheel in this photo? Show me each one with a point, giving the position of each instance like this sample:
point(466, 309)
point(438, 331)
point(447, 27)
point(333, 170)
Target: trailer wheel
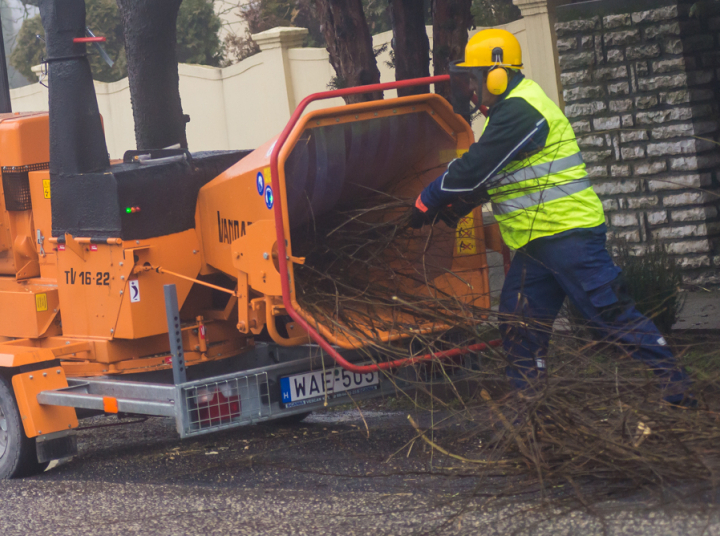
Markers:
point(18, 456)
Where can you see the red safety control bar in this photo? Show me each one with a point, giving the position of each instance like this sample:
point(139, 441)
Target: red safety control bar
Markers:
point(89, 40)
point(282, 253)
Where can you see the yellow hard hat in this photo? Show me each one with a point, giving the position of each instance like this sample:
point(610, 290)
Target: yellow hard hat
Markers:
point(493, 48)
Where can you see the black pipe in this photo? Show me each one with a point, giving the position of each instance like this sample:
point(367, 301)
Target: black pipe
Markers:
point(5, 104)
point(77, 139)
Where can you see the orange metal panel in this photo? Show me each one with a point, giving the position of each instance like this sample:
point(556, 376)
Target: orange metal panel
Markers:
point(39, 419)
point(42, 217)
point(107, 292)
point(24, 138)
point(18, 352)
point(230, 205)
point(90, 288)
point(22, 231)
point(27, 309)
point(253, 254)
point(177, 253)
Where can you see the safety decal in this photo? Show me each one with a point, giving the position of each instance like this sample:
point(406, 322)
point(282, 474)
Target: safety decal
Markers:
point(260, 183)
point(46, 188)
point(134, 290)
point(269, 199)
point(465, 239)
point(41, 302)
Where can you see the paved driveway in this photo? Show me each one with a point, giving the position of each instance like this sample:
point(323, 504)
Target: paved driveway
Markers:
point(324, 476)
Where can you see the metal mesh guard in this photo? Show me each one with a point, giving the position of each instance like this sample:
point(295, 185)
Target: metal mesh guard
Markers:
point(16, 187)
point(225, 403)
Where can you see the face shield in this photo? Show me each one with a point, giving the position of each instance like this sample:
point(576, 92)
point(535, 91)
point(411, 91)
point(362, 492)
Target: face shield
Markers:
point(465, 89)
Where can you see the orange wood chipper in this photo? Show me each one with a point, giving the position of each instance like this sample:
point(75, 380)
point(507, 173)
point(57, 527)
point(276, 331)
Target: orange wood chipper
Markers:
point(145, 287)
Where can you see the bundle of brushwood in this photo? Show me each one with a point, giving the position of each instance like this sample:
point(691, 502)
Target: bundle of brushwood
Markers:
point(374, 280)
point(595, 427)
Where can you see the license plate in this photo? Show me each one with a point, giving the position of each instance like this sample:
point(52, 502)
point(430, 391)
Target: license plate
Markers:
point(311, 387)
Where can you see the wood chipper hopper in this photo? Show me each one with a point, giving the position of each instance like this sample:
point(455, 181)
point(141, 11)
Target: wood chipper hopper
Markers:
point(325, 161)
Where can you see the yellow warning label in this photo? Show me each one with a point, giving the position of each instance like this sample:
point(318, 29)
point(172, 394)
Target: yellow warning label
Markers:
point(46, 188)
point(41, 302)
point(465, 240)
point(267, 175)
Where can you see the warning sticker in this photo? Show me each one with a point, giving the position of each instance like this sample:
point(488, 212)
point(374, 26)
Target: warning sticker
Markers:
point(134, 290)
point(46, 188)
point(41, 302)
point(465, 240)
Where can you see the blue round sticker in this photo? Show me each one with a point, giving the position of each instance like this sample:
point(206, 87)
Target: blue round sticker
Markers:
point(260, 183)
point(269, 200)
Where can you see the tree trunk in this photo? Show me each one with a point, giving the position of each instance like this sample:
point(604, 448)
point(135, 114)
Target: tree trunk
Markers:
point(451, 22)
point(150, 29)
point(350, 46)
point(410, 44)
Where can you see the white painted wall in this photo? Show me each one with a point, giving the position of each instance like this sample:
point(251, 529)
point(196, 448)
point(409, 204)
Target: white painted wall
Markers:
point(236, 107)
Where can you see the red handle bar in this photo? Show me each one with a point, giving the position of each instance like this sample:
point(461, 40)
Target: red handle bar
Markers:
point(89, 40)
point(282, 254)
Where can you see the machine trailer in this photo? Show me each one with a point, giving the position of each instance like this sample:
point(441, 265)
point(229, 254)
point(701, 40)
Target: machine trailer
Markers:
point(145, 287)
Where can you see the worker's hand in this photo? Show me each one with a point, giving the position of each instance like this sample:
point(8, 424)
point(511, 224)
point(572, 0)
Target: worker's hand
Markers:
point(449, 217)
point(421, 215)
point(452, 214)
point(417, 218)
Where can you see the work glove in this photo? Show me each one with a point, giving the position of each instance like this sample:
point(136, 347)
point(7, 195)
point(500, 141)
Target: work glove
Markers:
point(452, 214)
point(418, 218)
point(421, 215)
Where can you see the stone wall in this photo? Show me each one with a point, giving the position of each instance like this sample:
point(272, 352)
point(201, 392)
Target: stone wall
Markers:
point(640, 83)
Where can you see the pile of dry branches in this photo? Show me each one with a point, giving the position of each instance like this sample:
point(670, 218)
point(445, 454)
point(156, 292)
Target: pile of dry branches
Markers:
point(598, 417)
point(367, 271)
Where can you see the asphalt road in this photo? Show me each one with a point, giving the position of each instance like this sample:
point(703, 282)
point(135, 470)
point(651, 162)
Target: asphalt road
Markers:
point(325, 476)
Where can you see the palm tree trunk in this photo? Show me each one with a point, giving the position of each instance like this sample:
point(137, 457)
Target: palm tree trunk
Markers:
point(150, 29)
point(350, 46)
point(451, 21)
point(410, 44)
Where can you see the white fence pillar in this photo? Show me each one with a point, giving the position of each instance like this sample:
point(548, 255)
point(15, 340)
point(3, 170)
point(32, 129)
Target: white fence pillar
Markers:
point(275, 43)
point(541, 51)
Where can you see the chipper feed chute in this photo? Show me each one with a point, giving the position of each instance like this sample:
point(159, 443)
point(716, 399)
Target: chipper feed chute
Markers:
point(344, 174)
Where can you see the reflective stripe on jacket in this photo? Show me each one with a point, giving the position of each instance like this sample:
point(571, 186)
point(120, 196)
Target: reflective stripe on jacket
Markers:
point(547, 192)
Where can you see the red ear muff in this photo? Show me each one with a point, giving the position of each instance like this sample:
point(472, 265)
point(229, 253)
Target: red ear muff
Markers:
point(496, 80)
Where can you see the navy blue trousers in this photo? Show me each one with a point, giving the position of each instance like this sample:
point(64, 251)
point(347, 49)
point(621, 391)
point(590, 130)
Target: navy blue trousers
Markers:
point(576, 264)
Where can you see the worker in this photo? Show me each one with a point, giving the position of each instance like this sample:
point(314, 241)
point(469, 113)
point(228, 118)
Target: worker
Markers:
point(527, 162)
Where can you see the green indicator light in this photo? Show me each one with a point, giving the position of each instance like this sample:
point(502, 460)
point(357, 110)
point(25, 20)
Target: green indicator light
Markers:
point(128, 210)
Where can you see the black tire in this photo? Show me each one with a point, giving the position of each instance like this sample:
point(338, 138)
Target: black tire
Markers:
point(18, 457)
point(291, 419)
